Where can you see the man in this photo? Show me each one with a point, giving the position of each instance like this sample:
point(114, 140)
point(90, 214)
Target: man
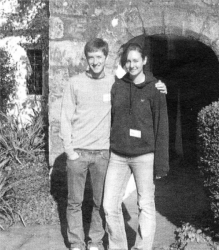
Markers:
point(85, 130)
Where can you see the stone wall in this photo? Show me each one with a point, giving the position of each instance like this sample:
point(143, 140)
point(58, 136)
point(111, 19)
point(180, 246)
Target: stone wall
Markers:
point(72, 23)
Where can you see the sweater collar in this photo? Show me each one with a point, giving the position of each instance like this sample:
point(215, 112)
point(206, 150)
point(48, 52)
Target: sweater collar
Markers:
point(148, 78)
point(90, 75)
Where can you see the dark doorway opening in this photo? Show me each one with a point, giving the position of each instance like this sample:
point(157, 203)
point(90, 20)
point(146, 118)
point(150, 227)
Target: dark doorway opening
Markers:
point(190, 69)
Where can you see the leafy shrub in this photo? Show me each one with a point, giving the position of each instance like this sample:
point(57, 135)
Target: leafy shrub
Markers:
point(188, 233)
point(5, 206)
point(18, 143)
point(208, 153)
point(24, 173)
point(7, 79)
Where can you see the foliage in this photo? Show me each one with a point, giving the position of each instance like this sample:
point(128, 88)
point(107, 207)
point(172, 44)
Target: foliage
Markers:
point(23, 16)
point(18, 143)
point(205, 227)
point(208, 153)
point(29, 19)
point(188, 233)
point(24, 22)
point(24, 25)
point(5, 208)
point(7, 80)
point(24, 174)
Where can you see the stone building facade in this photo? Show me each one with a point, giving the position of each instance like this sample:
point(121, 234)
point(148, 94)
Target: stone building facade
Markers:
point(72, 23)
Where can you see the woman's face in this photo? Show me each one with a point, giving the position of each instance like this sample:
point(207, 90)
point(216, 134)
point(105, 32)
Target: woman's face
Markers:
point(135, 63)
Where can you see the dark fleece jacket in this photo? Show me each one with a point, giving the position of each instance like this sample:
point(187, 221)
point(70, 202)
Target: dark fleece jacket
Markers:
point(141, 108)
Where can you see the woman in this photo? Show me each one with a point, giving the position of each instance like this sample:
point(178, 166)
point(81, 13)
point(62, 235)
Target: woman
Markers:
point(139, 145)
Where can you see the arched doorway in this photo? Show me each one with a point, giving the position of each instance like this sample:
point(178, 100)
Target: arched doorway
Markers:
point(190, 70)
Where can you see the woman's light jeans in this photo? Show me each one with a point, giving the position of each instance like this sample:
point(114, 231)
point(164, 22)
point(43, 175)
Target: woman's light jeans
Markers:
point(118, 174)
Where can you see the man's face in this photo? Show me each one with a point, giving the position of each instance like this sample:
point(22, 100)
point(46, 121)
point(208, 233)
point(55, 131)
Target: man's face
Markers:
point(96, 61)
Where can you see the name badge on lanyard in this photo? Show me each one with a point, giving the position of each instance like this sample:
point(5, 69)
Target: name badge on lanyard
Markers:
point(135, 133)
point(106, 98)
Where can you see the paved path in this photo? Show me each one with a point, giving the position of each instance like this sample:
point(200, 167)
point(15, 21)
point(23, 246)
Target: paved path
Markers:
point(179, 198)
point(50, 237)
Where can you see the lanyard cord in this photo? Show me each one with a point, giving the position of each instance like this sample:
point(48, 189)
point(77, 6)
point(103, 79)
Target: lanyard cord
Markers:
point(131, 100)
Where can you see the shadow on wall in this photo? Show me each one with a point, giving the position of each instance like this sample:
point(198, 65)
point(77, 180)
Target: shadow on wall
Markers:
point(59, 191)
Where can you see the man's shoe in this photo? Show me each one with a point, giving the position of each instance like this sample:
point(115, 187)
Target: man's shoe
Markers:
point(94, 248)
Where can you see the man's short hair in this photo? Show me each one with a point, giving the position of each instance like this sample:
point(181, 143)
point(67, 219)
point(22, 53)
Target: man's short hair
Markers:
point(96, 44)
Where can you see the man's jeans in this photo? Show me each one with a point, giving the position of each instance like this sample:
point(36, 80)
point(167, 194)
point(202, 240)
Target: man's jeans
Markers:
point(118, 174)
point(96, 162)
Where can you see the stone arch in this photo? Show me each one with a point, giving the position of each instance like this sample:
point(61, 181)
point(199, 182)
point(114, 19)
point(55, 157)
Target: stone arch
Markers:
point(145, 19)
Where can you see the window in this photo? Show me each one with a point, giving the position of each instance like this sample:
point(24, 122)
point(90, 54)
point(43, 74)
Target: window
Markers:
point(34, 83)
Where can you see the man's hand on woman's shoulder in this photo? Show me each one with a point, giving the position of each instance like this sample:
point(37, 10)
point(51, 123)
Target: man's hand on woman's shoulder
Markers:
point(161, 87)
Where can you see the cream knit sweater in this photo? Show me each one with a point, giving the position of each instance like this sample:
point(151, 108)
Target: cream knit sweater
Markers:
point(86, 113)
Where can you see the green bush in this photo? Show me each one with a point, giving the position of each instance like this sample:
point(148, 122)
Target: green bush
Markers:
point(24, 173)
point(6, 211)
point(208, 153)
point(19, 143)
point(7, 79)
